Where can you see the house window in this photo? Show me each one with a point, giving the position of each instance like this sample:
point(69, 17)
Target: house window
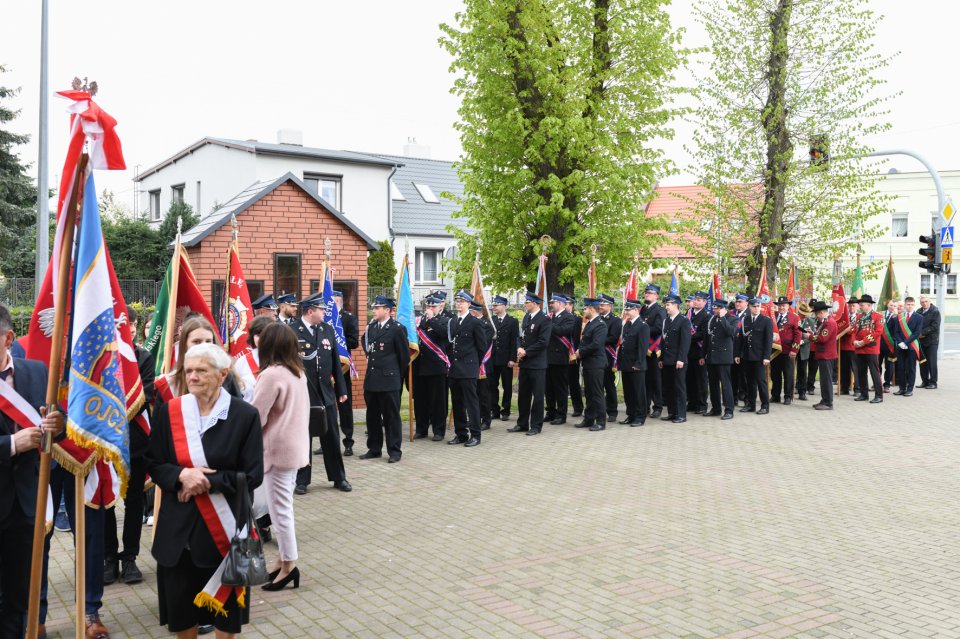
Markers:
point(951, 284)
point(176, 194)
point(198, 210)
point(347, 287)
point(428, 266)
point(255, 288)
point(217, 289)
point(427, 193)
point(327, 187)
point(395, 193)
point(286, 273)
point(927, 284)
point(898, 225)
point(155, 205)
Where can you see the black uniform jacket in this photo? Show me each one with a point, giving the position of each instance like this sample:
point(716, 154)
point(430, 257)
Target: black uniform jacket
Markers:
point(653, 315)
point(698, 342)
point(321, 362)
point(351, 329)
point(564, 325)
point(593, 343)
point(429, 363)
point(721, 335)
point(18, 474)
point(232, 444)
point(506, 341)
point(534, 338)
point(930, 333)
point(388, 355)
point(467, 343)
point(633, 346)
point(676, 340)
point(755, 340)
point(614, 326)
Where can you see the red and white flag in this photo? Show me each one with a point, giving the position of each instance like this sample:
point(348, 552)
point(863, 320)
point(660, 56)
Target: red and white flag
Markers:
point(237, 311)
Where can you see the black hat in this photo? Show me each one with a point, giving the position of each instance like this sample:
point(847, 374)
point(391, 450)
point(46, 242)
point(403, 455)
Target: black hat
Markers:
point(652, 288)
point(673, 299)
point(720, 303)
point(853, 300)
point(820, 306)
point(632, 303)
point(264, 301)
point(866, 299)
point(783, 300)
point(603, 298)
point(533, 297)
point(500, 299)
point(286, 298)
point(381, 300)
point(314, 300)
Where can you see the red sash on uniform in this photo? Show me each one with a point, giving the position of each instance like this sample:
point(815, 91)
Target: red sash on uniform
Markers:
point(429, 343)
point(570, 349)
point(486, 358)
point(213, 507)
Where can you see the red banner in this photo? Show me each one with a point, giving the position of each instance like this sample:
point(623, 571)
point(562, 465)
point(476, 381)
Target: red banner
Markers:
point(237, 312)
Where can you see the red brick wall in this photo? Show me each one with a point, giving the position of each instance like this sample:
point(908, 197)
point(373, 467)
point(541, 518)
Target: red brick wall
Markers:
point(288, 220)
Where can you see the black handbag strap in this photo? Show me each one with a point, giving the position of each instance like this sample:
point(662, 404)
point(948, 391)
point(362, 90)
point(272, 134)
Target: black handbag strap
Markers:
point(244, 507)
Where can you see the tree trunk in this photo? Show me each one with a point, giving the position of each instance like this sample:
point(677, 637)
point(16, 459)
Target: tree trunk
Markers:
point(779, 148)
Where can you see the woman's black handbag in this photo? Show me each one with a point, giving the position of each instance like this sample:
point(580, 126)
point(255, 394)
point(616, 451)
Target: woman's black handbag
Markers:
point(245, 565)
point(318, 421)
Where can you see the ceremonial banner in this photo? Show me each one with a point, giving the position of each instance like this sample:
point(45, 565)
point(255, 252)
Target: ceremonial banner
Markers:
point(792, 286)
point(479, 297)
point(856, 288)
point(333, 319)
point(674, 284)
point(717, 291)
point(890, 290)
point(237, 311)
point(631, 289)
point(767, 308)
point(541, 287)
point(179, 294)
point(405, 314)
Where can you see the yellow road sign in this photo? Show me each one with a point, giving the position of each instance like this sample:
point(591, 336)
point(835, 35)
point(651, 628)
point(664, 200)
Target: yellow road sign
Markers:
point(946, 256)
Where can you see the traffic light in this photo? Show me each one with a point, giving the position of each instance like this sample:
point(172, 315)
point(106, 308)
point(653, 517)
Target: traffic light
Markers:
point(930, 252)
point(819, 151)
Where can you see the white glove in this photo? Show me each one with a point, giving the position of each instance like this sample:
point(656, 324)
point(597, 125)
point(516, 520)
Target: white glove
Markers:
point(902, 346)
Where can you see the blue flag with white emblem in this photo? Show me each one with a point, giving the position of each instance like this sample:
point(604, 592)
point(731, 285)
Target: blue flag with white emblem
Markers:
point(674, 285)
point(333, 319)
point(96, 406)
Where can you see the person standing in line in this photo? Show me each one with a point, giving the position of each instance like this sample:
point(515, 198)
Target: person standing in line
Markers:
point(532, 360)
point(888, 346)
point(632, 362)
point(288, 308)
point(754, 348)
point(388, 355)
point(783, 368)
point(559, 353)
point(806, 360)
point(430, 373)
point(697, 384)
point(740, 303)
point(573, 370)
point(503, 362)
point(929, 342)
point(848, 353)
point(614, 326)
point(351, 335)
point(676, 348)
point(721, 332)
point(483, 384)
point(866, 339)
point(592, 353)
point(653, 315)
point(824, 340)
point(909, 326)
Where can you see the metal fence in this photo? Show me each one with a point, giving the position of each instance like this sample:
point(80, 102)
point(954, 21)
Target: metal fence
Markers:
point(420, 293)
point(22, 292)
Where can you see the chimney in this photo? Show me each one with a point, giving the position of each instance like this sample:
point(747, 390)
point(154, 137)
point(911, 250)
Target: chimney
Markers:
point(293, 137)
point(413, 150)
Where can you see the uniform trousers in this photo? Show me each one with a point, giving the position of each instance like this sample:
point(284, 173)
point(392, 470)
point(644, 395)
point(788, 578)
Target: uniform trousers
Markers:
point(132, 520)
point(466, 407)
point(756, 374)
point(806, 373)
point(782, 376)
point(16, 541)
point(890, 363)
point(697, 386)
point(383, 419)
point(530, 391)
point(278, 483)
point(847, 372)
point(610, 391)
point(653, 383)
point(330, 443)
point(576, 393)
point(906, 369)
point(345, 411)
point(674, 390)
point(594, 411)
point(928, 371)
point(634, 394)
point(483, 397)
point(557, 390)
point(869, 364)
point(430, 404)
point(739, 378)
point(501, 377)
point(826, 386)
point(721, 387)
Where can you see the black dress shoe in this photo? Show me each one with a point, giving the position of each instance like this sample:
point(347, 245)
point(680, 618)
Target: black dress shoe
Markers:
point(611, 418)
point(597, 427)
point(393, 459)
point(747, 409)
point(111, 570)
point(318, 451)
point(504, 417)
point(727, 415)
point(638, 422)
point(517, 429)
point(908, 394)
point(577, 413)
point(625, 421)
point(774, 400)
point(713, 413)
point(583, 424)
point(459, 439)
point(656, 412)
point(763, 411)
point(420, 436)
point(348, 450)
point(668, 418)
point(787, 401)
point(437, 438)
point(558, 421)
point(876, 400)
point(485, 426)
point(130, 573)
point(533, 431)
point(701, 411)
point(900, 392)
point(930, 386)
point(887, 387)
point(343, 486)
point(679, 420)
point(300, 489)
point(370, 455)
point(860, 398)
point(802, 397)
point(294, 576)
point(473, 441)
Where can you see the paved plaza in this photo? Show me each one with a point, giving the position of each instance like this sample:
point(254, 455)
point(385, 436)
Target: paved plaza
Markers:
point(794, 524)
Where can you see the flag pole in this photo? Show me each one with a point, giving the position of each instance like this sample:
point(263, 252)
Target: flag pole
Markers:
point(80, 552)
point(53, 388)
point(406, 262)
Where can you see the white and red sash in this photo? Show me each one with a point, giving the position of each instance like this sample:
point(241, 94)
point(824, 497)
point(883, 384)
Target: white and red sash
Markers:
point(247, 368)
point(163, 386)
point(18, 410)
point(214, 509)
point(434, 348)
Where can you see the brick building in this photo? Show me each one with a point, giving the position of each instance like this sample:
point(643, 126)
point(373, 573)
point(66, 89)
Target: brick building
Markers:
point(282, 229)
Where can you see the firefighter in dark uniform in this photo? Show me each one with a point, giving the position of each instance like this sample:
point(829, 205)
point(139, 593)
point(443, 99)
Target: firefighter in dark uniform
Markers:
point(614, 325)
point(632, 363)
point(388, 355)
point(740, 303)
point(653, 315)
point(592, 354)
point(721, 333)
point(321, 361)
point(559, 354)
point(466, 346)
point(486, 362)
point(265, 305)
point(503, 361)
point(430, 373)
point(351, 334)
point(573, 372)
point(288, 308)
point(754, 348)
point(697, 384)
point(532, 360)
point(673, 360)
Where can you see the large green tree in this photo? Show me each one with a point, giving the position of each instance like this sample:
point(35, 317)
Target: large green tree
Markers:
point(18, 198)
point(563, 102)
point(782, 76)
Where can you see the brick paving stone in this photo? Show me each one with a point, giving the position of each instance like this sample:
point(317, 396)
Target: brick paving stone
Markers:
point(797, 524)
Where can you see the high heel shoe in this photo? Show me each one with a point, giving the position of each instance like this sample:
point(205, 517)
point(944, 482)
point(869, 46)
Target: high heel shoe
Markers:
point(273, 575)
point(293, 575)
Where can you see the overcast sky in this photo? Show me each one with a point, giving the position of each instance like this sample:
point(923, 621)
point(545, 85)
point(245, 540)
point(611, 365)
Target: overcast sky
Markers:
point(362, 76)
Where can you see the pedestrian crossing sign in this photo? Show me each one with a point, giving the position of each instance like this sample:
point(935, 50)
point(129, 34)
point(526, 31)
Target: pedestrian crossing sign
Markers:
point(946, 237)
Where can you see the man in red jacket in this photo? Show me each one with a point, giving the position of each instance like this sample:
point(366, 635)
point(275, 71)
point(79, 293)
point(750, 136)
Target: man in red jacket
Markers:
point(848, 354)
point(824, 340)
point(867, 332)
point(783, 367)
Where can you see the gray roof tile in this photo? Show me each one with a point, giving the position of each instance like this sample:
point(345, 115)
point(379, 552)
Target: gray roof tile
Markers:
point(414, 216)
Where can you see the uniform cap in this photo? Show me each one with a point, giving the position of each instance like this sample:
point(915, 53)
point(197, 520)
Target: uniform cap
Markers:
point(500, 299)
point(742, 296)
point(313, 300)
point(603, 298)
point(533, 297)
point(338, 293)
point(591, 301)
point(463, 295)
point(672, 299)
point(702, 295)
point(476, 307)
point(380, 300)
point(286, 298)
point(632, 303)
point(652, 288)
point(720, 303)
point(264, 301)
